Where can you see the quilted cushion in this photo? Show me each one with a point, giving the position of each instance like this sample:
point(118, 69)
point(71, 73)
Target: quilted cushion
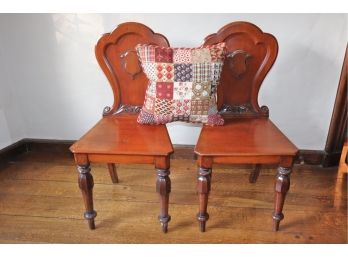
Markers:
point(182, 83)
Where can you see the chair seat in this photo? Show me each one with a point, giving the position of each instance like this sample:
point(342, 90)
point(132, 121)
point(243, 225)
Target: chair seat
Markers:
point(244, 137)
point(123, 135)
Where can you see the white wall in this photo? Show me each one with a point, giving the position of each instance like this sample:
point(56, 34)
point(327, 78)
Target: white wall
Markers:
point(11, 126)
point(51, 85)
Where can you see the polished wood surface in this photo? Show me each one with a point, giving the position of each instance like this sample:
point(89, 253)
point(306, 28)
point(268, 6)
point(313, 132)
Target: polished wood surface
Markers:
point(240, 137)
point(248, 135)
point(338, 125)
point(123, 135)
point(343, 166)
point(40, 203)
point(116, 55)
point(117, 137)
point(341, 176)
point(250, 55)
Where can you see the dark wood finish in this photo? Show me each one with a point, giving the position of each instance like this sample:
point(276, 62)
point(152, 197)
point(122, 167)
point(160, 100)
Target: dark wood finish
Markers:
point(40, 203)
point(86, 185)
point(163, 188)
point(311, 157)
point(117, 137)
point(250, 55)
point(203, 188)
point(113, 172)
point(255, 173)
point(281, 187)
point(338, 125)
point(10, 152)
point(117, 57)
point(248, 135)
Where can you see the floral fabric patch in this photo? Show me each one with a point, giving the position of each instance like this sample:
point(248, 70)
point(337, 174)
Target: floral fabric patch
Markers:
point(182, 83)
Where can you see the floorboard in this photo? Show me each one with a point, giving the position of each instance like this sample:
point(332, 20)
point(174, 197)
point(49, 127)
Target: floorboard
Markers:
point(40, 202)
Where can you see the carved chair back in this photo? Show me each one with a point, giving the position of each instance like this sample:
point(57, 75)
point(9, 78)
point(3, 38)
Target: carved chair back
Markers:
point(116, 55)
point(250, 55)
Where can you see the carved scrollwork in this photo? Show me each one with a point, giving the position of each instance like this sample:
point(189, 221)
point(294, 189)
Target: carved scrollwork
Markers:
point(130, 63)
point(123, 108)
point(128, 108)
point(243, 109)
point(236, 109)
point(106, 110)
point(265, 110)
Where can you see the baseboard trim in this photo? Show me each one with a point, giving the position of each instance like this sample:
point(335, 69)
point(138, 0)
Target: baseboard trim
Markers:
point(9, 153)
point(311, 157)
point(331, 159)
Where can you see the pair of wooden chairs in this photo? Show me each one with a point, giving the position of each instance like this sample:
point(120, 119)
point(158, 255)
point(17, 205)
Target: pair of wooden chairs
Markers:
point(248, 135)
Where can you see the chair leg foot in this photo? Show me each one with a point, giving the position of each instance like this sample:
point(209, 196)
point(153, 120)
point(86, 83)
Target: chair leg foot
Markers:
point(164, 227)
point(86, 185)
point(281, 187)
point(203, 188)
point(163, 188)
point(276, 220)
point(202, 220)
point(202, 226)
point(113, 172)
point(91, 223)
point(254, 173)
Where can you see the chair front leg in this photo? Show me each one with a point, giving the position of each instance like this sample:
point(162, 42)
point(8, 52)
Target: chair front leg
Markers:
point(203, 188)
point(163, 188)
point(281, 187)
point(86, 184)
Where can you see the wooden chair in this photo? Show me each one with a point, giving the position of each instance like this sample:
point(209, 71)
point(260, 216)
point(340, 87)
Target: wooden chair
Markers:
point(117, 137)
point(248, 135)
point(341, 171)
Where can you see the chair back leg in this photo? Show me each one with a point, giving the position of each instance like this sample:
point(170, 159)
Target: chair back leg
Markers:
point(113, 172)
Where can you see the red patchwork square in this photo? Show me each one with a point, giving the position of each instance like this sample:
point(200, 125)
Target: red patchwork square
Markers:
point(163, 54)
point(182, 83)
point(164, 90)
point(165, 72)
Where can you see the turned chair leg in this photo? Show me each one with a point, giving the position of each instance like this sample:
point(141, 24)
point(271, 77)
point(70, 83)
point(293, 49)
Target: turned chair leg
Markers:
point(255, 173)
point(281, 187)
point(113, 172)
point(203, 188)
point(86, 185)
point(163, 188)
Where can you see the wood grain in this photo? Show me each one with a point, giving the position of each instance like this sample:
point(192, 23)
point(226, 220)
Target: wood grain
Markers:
point(40, 202)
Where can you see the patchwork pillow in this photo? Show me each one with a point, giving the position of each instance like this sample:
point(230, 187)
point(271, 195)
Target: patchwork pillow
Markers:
point(182, 83)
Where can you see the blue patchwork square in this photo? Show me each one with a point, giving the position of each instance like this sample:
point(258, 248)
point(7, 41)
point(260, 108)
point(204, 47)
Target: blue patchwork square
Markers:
point(182, 72)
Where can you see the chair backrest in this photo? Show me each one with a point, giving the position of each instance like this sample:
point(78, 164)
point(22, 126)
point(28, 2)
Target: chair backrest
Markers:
point(250, 55)
point(116, 55)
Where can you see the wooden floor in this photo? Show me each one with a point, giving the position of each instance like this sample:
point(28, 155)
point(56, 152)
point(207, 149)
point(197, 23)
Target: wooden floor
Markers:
point(40, 202)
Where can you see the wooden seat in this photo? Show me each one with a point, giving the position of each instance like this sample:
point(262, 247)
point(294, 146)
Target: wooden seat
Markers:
point(117, 137)
point(123, 135)
point(260, 137)
point(248, 136)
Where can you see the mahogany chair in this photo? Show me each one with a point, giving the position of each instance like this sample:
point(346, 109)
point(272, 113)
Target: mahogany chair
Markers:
point(248, 136)
point(117, 137)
